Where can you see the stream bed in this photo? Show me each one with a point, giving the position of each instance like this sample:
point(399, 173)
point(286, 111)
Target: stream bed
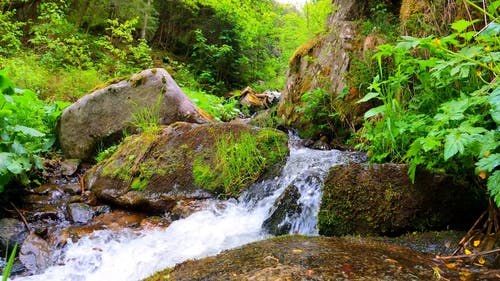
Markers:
point(135, 254)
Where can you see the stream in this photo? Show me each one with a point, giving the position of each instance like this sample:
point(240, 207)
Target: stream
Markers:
point(133, 255)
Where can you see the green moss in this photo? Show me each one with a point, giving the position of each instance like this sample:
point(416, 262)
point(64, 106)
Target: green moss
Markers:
point(109, 83)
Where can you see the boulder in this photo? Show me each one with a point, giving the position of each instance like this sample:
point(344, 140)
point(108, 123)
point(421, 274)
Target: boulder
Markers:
point(322, 63)
point(35, 254)
point(80, 213)
point(101, 116)
point(153, 171)
point(380, 199)
point(310, 258)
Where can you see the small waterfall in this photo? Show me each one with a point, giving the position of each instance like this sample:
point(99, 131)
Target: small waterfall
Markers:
point(129, 255)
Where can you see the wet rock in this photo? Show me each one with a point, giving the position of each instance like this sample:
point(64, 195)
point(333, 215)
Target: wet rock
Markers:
point(151, 223)
point(308, 258)
point(69, 166)
point(12, 231)
point(154, 171)
point(80, 212)
point(115, 220)
point(35, 254)
point(185, 208)
point(102, 115)
point(43, 212)
point(72, 188)
point(285, 209)
point(380, 199)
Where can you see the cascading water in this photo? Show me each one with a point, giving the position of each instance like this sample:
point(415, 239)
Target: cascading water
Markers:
point(129, 255)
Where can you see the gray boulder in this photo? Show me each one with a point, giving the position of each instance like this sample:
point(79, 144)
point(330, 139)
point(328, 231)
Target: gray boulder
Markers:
point(105, 113)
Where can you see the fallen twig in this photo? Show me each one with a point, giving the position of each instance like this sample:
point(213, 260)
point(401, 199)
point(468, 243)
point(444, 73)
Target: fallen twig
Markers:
point(23, 218)
point(473, 255)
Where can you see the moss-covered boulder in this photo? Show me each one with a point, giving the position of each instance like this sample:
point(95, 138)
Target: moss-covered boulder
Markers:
point(101, 116)
point(308, 258)
point(185, 161)
point(380, 199)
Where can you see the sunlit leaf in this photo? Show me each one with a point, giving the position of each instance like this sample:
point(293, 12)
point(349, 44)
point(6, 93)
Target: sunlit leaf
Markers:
point(375, 111)
point(476, 243)
point(489, 163)
point(368, 97)
point(455, 142)
point(27, 131)
point(297, 251)
point(461, 25)
point(467, 252)
point(481, 260)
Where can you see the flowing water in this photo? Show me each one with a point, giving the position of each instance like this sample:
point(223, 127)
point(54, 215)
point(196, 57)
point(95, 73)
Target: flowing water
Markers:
point(132, 255)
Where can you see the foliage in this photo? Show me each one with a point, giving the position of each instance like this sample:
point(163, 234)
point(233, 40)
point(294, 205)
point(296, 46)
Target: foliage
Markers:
point(11, 33)
point(318, 109)
point(147, 119)
point(104, 154)
point(218, 107)
point(69, 84)
point(10, 262)
point(26, 130)
point(239, 161)
point(452, 131)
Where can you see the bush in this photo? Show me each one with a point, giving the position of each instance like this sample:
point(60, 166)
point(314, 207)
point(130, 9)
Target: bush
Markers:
point(26, 129)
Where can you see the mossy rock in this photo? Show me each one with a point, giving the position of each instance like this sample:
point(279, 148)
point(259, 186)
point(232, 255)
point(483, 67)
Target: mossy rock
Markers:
point(153, 171)
point(380, 199)
point(307, 258)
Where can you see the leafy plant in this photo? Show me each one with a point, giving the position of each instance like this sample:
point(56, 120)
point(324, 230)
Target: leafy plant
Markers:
point(26, 130)
point(218, 107)
point(452, 131)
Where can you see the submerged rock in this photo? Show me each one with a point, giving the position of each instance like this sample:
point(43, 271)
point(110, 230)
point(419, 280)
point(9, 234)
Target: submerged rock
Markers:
point(307, 258)
point(380, 199)
point(286, 208)
point(101, 116)
point(154, 171)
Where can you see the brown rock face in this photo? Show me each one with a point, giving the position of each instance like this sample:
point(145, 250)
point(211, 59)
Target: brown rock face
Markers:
point(106, 112)
point(380, 199)
point(322, 63)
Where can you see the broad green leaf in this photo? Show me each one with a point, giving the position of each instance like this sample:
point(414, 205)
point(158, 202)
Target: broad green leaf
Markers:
point(5, 159)
point(461, 25)
point(455, 142)
point(430, 143)
point(18, 148)
point(19, 165)
point(494, 186)
point(27, 131)
point(488, 164)
point(409, 43)
point(471, 52)
point(494, 100)
point(368, 97)
point(455, 109)
point(374, 111)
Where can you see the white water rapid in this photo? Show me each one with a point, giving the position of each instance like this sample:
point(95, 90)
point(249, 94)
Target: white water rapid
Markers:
point(130, 255)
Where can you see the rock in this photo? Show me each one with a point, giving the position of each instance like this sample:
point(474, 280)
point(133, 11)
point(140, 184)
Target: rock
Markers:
point(69, 166)
point(102, 115)
point(12, 231)
point(380, 199)
point(309, 258)
point(35, 254)
point(152, 172)
point(285, 209)
point(322, 63)
point(80, 212)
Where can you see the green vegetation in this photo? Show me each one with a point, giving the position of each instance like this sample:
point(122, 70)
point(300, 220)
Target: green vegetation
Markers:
point(239, 160)
point(26, 131)
point(10, 261)
point(439, 103)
